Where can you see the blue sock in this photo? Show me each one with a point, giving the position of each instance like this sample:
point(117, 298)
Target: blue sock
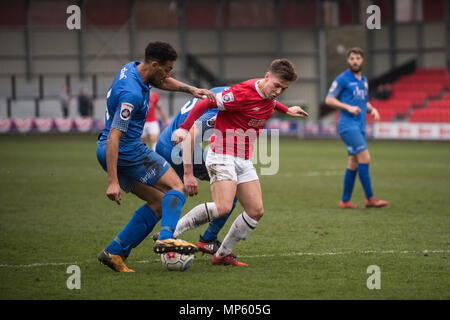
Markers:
point(349, 182)
point(364, 177)
point(217, 224)
point(140, 225)
point(172, 203)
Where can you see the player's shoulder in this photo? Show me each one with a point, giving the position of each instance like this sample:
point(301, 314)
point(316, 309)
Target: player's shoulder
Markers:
point(245, 87)
point(343, 76)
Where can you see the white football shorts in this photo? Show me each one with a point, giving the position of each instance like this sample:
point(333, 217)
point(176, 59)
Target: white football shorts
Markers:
point(151, 127)
point(228, 167)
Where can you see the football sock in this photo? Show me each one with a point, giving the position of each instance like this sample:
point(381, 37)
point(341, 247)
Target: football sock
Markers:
point(199, 215)
point(216, 225)
point(241, 228)
point(364, 177)
point(172, 203)
point(141, 224)
point(349, 182)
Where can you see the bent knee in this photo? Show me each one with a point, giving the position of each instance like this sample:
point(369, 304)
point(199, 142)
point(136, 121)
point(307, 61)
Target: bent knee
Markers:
point(224, 209)
point(256, 214)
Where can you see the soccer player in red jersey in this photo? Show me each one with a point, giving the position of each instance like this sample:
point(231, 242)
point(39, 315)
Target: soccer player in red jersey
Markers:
point(151, 126)
point(244, 109)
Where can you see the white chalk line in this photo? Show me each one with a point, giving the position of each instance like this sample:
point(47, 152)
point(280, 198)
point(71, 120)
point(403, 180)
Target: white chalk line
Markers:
point(291, 254)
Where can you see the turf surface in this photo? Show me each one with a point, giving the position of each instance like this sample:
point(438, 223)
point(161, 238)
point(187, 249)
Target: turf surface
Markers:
point(54, 213)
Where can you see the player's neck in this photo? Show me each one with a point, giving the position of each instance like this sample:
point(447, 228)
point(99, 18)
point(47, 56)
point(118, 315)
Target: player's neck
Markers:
point(260, 84)
point(356, 74)
point(142, 70)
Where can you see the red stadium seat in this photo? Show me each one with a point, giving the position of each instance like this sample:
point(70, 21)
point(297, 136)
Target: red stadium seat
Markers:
point(415, 98)
point(431, 71)
point(438, 104)
point(432, 115)
point(431, 89)
point(398, 106)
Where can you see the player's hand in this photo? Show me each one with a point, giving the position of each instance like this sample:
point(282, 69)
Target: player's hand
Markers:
point(201, 93)
point(191, 184)
point(353, 110)
point(297, 111)
point(114, 193)
point(375, 114)
point(179, 135)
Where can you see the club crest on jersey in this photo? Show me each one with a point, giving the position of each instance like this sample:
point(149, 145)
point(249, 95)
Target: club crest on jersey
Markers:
point(228, 97)
point(125, 110)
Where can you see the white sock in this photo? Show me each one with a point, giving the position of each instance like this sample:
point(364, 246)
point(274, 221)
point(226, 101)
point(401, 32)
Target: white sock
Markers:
point(199, 215)
point(241, 228)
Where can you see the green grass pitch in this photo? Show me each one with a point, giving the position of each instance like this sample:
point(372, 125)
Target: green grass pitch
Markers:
point(54, 213)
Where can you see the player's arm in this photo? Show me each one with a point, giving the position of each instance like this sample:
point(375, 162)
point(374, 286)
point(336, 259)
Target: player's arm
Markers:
point(187, 149)
point(195, 113)
point(171, 84)
point(113, 192)
point(335, 103)
point(332, 97)
point(371, 109)
point(294, 111)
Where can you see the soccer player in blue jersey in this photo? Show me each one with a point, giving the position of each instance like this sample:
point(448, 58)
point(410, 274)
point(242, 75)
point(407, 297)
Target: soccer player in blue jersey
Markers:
point(131, 166)
point(349, 93)
point(188, 160)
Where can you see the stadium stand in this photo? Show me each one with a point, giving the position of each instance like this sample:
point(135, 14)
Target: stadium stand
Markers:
point(420, 97)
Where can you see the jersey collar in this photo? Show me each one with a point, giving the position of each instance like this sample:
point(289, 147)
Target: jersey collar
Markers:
point(259, 91)
point(352, 75)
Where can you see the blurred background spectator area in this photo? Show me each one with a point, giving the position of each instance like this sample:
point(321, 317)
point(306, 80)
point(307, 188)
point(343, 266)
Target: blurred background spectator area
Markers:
point(223, 42)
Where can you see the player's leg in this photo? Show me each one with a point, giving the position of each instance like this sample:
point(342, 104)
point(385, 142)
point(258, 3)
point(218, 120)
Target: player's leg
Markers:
point(349, 183)
point(154, 131)
point(208, 242)
point(172, 202)
point(145, 133)
point(223, 193)
point(364, 176)
point(153, 140)
point(142, 222)
point(250, 196)
point(223, 179)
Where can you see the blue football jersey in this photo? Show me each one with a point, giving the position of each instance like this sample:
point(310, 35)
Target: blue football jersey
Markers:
point(166, 135)
point(126, 110)
point(348, 89)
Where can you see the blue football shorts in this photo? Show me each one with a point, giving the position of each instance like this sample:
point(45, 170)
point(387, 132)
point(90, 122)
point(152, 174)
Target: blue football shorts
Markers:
point(173, 156)
point(147, 167)
point(355, 141)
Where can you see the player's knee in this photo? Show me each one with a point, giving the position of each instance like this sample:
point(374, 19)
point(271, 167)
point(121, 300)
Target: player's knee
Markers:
point(156, 207)
point(256, 214)
point(224, 208)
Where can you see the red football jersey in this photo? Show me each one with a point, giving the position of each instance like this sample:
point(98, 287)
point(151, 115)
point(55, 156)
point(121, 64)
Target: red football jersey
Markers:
point(243, 112)
point(152, 102)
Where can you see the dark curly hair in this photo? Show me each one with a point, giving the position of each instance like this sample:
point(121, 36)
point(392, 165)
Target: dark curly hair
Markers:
point(160, 52)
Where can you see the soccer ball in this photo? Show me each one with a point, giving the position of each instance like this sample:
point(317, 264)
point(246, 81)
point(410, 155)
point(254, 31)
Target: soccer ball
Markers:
point(174, 261)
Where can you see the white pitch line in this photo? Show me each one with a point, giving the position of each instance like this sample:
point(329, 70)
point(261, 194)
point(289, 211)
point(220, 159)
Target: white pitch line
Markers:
point(46, 264)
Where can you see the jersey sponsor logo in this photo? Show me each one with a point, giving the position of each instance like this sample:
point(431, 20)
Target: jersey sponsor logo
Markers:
point(125, 110)
point(359, 93)
point(228, 97)
point(257, 122)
